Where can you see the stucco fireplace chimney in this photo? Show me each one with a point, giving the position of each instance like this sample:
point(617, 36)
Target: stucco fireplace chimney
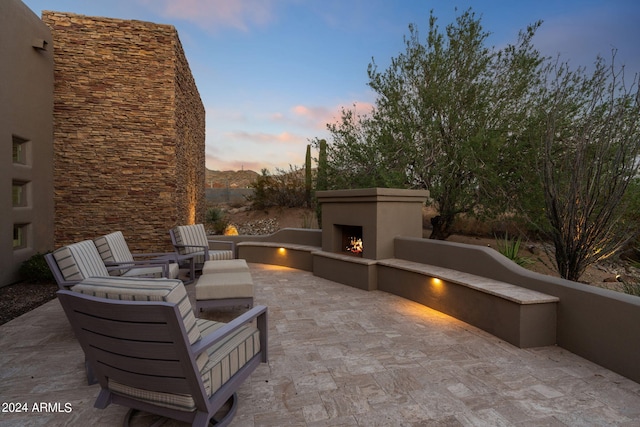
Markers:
point(368, 219)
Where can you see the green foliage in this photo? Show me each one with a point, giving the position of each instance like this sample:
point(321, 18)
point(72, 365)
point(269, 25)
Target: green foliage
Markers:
point(631, 288)
point(589, 154)
point(36, 270)
point(448, 115)
point(217, 219)
point(285, 189)
point(510, 248)
point(631, 216)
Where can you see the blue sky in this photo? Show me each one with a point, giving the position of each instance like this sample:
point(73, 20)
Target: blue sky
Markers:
point(273, 73)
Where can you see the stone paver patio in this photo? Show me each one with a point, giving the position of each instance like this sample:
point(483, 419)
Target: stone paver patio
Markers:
point(339, 356)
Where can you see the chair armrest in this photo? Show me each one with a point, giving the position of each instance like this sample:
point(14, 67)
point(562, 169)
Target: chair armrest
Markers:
point(204, 248)
point(111, 266)
point(66, 285)
point(258, 312)
point(222, 242)
point(157, 256)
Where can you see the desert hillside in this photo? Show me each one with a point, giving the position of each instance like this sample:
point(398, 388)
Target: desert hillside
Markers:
point(229, 179)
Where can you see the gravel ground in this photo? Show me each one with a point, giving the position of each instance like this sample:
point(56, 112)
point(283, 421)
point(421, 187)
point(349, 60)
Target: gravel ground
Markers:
point(19, 298)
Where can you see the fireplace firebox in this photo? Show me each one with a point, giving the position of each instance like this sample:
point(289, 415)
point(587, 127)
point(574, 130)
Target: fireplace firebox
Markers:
point(352, 243)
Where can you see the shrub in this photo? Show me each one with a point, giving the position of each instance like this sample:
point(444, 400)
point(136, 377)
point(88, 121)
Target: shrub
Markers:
point(631, 288)
point(36, 270)
point(285, 189)
point(217, 219)
point(510, 247)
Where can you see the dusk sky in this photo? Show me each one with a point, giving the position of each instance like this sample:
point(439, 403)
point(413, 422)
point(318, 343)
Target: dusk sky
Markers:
point(273, 73)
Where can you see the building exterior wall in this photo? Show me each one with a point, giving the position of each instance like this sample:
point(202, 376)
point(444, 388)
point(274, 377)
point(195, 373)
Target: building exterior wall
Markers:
point(190, 156)
point(26, 105)
point(129, 131)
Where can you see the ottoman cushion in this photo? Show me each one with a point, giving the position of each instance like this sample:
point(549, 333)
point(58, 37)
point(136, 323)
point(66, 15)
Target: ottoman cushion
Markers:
point(224, 266)
point(224, 285)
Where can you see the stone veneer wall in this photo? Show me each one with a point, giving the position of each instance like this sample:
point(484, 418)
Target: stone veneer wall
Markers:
point(129, 131)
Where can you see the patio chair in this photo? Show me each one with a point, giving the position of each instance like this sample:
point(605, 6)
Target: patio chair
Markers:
point(150, 353)
point(114, 251)
point(193, 247)
point(72, 263)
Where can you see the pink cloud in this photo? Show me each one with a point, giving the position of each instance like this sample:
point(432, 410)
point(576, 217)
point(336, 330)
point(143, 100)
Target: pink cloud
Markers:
point(216, 14)
point(263, 137)
point(319, 117)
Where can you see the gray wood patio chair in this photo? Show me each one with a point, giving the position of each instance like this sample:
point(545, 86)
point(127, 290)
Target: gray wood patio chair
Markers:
point(155, 356)
point(114, 251)
point(192, 246)
point(72, 263)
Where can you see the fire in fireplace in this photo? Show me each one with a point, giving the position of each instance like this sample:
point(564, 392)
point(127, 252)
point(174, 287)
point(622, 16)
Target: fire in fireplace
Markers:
point(352, 239)
point(355, 246)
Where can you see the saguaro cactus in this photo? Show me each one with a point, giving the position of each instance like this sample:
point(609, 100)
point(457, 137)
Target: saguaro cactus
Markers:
point(307, 176)
point(321, 178)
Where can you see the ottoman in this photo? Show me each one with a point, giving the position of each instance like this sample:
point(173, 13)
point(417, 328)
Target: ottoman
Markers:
point(224, 266)
point(223, 289)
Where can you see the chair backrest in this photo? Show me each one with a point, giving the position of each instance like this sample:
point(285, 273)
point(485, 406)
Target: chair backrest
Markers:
point(79, 261)
point(189, 235)
point(113, 247)
point(136, 335)
point(143, 289)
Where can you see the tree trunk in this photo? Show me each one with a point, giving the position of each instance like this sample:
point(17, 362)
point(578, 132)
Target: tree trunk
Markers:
point(442, 225)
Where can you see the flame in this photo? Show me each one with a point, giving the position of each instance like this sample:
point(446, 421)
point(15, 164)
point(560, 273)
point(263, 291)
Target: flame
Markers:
point(355, 245)
point(231, 230)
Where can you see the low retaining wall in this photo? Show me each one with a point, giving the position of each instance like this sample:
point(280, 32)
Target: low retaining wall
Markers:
point(289, 247)
point(278, 253)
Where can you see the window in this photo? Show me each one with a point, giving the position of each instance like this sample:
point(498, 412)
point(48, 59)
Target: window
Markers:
point(20, 236)
point(19, 194)
point(19, 150)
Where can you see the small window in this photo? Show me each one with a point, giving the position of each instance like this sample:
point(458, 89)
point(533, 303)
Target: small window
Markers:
point(19, 190)
point(19, 150)
point(20, 236)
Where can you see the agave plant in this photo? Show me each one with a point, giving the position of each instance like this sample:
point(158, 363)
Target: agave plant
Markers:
point(510, 247)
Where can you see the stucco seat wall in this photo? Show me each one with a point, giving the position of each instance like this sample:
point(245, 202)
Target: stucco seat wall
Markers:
point(520, 316)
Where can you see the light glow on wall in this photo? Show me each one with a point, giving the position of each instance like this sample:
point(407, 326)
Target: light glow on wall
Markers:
point(437, 286)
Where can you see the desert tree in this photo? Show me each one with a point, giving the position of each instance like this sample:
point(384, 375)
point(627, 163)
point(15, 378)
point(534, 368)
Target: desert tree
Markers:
point(447, 110)
point(590, 147)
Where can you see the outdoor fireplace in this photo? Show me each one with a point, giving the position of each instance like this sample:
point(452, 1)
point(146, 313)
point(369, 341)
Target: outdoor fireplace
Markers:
point(359, 227)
